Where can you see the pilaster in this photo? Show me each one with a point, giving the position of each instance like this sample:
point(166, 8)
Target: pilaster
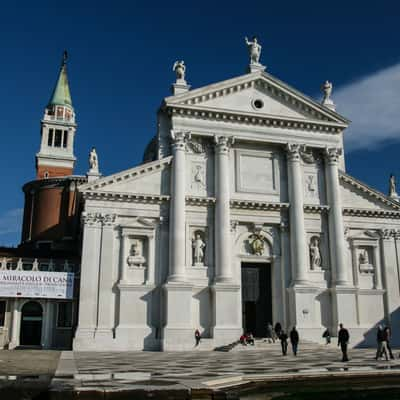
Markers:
point(105, 324)
point(89, 280)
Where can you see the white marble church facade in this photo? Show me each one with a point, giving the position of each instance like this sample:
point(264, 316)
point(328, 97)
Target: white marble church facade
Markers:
point(242, 214)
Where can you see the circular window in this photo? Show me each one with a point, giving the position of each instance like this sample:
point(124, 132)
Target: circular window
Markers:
point(258, 104)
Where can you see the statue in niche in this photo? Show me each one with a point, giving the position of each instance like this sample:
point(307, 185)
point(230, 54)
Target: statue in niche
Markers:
point(311, 184)
point(179, 68)
point(254, 50)
point(135, 258)
point(93, 161)
point(198, 249)
point(198, 177)
point(257, 243)
point(365, 265)
point(315, 253)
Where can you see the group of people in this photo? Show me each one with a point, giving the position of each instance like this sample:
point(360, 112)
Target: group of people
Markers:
point(383, 338)
point(246, 339)
point(277, 333)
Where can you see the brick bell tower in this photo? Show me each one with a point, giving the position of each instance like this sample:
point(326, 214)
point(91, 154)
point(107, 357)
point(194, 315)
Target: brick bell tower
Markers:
point(56, 155)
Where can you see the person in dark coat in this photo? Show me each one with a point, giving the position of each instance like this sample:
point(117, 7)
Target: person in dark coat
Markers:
point(278, 329)
point(294, 340)
point(197, 337)
point(327, 336)
point(343, 341)
point(283, 337)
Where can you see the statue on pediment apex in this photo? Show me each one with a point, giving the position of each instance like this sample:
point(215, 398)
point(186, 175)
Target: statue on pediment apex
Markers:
point(179, 68)
point(392, 186)
point(254, 50)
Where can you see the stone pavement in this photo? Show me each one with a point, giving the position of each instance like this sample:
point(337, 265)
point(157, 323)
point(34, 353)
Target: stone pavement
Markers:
point(182, 373)
point(213, 369)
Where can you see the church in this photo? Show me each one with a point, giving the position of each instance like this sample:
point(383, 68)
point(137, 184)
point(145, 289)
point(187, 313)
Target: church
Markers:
point(242, 214)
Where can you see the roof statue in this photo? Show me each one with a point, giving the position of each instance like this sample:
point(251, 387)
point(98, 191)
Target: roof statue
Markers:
point(180, 85)
point(93, 161)
point(392, 186)
point(179, 68)
point(327, 91)
point(254, 52)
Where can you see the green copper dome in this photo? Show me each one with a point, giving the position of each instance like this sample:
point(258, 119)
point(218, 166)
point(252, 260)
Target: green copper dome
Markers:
point(61, 95)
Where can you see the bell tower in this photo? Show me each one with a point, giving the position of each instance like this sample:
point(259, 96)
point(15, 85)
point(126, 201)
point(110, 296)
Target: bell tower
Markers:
point(56, 155)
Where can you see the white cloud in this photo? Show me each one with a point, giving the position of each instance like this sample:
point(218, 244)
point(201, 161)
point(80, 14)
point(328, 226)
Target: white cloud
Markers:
point(373, 105)
point(10, 221)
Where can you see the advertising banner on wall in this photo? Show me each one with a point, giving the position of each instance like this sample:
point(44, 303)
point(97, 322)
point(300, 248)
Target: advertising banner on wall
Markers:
point(41, 284)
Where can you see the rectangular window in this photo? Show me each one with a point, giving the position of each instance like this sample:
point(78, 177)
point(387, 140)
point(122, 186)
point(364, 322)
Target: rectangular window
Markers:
point(64, 315)
point(50, 138)
point(60, 112)
point(58, 138)
point(3, 304)
point(65, 139)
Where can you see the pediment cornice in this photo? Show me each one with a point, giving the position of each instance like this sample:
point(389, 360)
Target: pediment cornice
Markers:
point(126, 175)
point(364, 188)
point(187, 103)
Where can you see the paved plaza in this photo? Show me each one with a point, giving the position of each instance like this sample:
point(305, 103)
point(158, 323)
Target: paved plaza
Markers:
point(186, 371)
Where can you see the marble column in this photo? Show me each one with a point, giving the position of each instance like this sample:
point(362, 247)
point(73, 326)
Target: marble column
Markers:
point(177, 209)
point(105, 322)
point(223, 248)
point(14, 342)
point(298, 245)
point(336, 229)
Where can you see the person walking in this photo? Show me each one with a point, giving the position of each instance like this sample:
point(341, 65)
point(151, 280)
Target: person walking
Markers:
point(270, 333)
point(381, 348)
point(294, 340)
point(197, 337)
point(343, 341)
point(278, 329)
point(327, 336)
point(387, 335)
point(283, 337)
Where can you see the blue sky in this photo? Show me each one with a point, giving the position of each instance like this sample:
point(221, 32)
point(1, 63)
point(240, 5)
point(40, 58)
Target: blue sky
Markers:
point(120, 68)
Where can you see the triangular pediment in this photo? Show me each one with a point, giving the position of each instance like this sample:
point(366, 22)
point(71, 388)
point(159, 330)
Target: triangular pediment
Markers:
point(256, 93)
point(146, 179)
point(357, 195)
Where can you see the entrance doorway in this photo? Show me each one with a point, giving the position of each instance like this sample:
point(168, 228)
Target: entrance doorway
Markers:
point(256, 298)
point(31, 324)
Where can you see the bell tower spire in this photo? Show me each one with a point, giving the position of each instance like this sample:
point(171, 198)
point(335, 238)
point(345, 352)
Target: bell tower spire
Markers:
point(56, 155)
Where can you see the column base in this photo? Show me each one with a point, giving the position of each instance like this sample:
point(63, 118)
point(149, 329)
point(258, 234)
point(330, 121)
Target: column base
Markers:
point(178, 333)
point(84, 339)
point(227, 316)
point(134, 338)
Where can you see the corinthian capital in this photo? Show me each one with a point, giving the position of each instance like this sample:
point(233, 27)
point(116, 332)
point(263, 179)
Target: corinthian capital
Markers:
point(92, 219)
point(332, 154)
point(223, 143)
point(179, 139)
point(293, 151)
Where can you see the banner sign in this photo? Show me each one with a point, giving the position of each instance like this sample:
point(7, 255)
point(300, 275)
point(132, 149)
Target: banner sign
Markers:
point(42, 284)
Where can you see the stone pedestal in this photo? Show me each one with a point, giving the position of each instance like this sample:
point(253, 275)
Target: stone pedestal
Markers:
point(227, 313)
point(93, 176)
point(344, 306)
point(135, 330)
point(178, 333)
